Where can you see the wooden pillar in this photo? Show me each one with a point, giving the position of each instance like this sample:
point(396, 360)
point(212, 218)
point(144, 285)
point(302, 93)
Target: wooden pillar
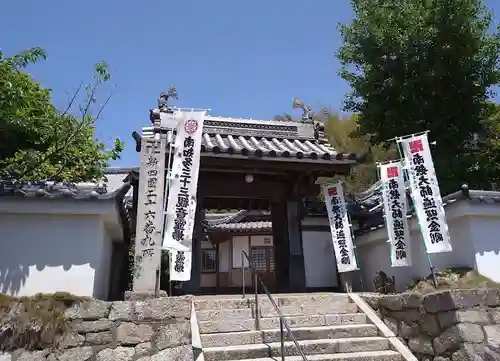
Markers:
point(193, 285)
point(281, 247)
point(296, 266)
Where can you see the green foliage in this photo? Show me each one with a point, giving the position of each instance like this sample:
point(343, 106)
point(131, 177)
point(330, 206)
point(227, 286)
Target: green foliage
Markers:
point(342, 134)
point(485, 169)
point(39, 142)
point(418, 65)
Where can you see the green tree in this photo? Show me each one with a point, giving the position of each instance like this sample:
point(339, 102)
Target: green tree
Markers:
point(486, 158)
point(416, 65)
point(39, 142)
point(342, 134)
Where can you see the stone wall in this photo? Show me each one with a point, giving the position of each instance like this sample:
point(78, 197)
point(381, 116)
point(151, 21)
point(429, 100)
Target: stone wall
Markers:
point(451, 325)
point(148, 330)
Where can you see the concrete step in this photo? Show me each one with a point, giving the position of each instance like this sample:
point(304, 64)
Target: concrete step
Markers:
point(385, 355)
point(309, 347)
point(220, 303)
point(291, 311)
point(320, 309)
point(300, 333)
point(212, 315)
point(303, 299)
point(229, 324)
point(315, 320)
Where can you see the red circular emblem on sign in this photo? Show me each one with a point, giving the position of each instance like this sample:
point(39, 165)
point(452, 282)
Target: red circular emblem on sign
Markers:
point(191, 126)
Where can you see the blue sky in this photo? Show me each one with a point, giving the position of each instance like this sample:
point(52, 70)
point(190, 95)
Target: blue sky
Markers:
point(238, 58)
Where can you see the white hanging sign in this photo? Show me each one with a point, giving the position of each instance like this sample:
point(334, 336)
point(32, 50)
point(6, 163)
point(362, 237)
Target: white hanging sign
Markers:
point(183, 185)
point(180, 263)
point(340, 227)
point(426, 194)
point(395, 210)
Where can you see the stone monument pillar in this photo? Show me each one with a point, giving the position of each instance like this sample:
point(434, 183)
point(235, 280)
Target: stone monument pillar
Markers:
point(150, 214)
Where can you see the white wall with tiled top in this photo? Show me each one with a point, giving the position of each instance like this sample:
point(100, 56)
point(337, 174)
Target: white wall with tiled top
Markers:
point(474, 230)
point(54, 253)
point(57, 246)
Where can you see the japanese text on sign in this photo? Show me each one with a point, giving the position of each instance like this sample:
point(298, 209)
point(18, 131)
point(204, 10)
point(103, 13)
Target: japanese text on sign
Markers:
point(340, 228)
point(394, 200)
point(426, 194)
point(150, 199)
point(182, 201)
point(397, 213)
point(425, 189)
point(149, 213)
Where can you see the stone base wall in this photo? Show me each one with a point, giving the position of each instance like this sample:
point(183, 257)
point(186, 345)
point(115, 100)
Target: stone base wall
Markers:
point(147, 330)
point(451, 325)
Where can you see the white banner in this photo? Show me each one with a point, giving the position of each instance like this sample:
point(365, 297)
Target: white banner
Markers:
point(426, 194)
point(180, 265)
point(183, 185)
point(340, 227)
point(395, 209)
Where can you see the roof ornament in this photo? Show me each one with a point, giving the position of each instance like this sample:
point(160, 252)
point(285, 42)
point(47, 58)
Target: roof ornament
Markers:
point(307, 115)
point(164, 98)
point(163, 106)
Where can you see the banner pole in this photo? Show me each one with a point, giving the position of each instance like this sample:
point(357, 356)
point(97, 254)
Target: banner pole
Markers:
point(165, 202)
point(401, 155)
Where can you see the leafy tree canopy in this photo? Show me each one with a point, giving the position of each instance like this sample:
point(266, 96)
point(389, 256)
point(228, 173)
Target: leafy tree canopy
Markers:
point(342, 134)
point(486, 166)
point(416, 65)
point(40, 142)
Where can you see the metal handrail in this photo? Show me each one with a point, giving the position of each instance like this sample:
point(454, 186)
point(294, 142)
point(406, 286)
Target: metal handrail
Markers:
point(283, 321)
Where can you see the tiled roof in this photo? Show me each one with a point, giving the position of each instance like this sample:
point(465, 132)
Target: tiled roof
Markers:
point(43, 190)
point(115, 182)
point(235, 221)
point(470, 196)
point(271, 147)
point(244, 226)
point(47, 189)
point(114, 178)
point(212, 219)
point(263, 139)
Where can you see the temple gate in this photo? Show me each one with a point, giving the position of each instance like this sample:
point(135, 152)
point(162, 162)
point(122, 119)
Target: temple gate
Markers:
point(245, 165)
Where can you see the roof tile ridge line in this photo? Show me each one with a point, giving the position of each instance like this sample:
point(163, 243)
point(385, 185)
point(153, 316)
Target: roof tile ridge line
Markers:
point(117, 170)
point(50, 184)
point(229, 219)
point(223, 119)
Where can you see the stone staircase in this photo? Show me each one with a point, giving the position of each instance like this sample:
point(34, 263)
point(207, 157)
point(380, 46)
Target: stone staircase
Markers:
point(327, 327)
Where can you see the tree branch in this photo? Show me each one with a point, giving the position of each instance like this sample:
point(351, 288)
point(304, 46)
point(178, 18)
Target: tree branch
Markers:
point(70, 104)
point(105, 103)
